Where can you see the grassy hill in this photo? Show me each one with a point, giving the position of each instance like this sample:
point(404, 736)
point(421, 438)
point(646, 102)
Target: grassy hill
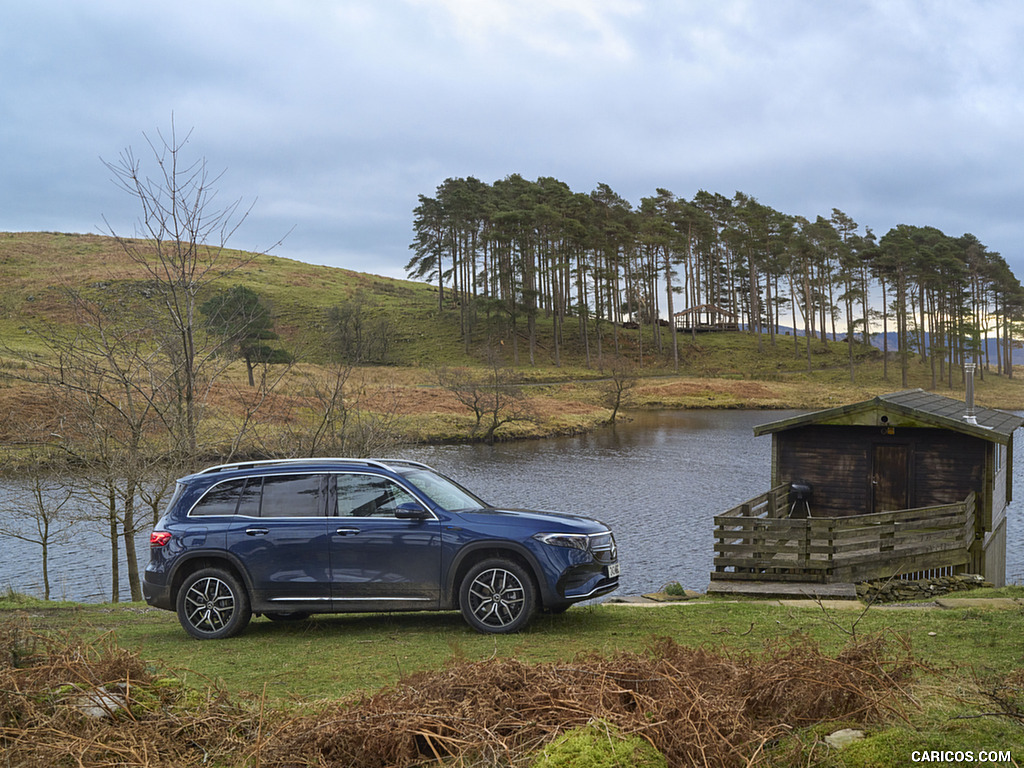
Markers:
point(724, 370)
point(36, 268)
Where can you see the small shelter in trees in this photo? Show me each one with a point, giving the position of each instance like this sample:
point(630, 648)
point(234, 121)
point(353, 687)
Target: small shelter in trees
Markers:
point(908, 484)
point(706, 317)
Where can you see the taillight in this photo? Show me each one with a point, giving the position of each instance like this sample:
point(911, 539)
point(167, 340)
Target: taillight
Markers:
point(159, 538)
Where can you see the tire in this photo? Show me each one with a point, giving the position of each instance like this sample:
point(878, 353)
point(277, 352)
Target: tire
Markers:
point(212, 604)
point(287, 615)
point(497, 596)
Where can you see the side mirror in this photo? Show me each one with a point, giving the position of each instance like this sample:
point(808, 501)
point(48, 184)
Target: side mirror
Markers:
point(410, 510)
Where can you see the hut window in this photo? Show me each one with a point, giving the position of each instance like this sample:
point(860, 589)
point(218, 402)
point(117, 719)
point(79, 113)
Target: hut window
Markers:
point(1000, 457)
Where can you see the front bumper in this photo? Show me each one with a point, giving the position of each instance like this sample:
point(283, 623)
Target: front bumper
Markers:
point(574, 574)
point(584, 582)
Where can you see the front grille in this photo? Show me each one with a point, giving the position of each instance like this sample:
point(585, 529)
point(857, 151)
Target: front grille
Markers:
point(603, 547)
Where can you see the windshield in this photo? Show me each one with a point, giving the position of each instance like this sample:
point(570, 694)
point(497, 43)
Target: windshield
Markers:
point(445, 493)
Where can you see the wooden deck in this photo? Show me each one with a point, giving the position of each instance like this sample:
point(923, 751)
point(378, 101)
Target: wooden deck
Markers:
point(757, 541)
point(687, 327)
point(785, 590)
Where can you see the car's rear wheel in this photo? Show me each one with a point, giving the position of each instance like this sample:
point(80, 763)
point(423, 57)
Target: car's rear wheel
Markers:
point(213, 604)
point(497, 596)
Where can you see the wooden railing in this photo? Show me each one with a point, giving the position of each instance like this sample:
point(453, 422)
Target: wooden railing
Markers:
point(757, 541)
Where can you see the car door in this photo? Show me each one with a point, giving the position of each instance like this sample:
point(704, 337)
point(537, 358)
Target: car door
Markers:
point(280, 535)
point(378, 560)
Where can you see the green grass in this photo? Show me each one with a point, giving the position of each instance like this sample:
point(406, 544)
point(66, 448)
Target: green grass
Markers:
point(963, 657)
point(331, 655)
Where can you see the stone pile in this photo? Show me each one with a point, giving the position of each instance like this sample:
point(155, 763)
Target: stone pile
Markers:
point(895, 590)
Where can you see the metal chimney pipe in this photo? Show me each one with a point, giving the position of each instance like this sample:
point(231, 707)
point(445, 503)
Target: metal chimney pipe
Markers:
point(969, 417)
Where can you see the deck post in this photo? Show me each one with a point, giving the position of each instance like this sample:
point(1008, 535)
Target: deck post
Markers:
point(886, 537)
point(830, 539)
point(804, 554)
point(747, 510)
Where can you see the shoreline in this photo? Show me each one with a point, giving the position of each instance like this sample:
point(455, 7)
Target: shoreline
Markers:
point(574, 406)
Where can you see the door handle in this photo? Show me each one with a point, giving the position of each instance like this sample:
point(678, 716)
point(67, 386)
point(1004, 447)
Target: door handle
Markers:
point(257, 531)
point(347, 531)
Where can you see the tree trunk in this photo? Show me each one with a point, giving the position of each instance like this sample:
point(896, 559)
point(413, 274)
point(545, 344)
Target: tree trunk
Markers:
point(671, 309)
point(130, 555)
point(115, 560)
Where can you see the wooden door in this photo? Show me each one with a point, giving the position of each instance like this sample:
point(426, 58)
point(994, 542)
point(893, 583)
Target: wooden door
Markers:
point(890, 478)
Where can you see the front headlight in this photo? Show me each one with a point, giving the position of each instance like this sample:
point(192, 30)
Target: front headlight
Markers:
point(571, 540)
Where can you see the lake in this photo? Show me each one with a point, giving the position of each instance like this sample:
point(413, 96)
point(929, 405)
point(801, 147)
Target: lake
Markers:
point(657, 480)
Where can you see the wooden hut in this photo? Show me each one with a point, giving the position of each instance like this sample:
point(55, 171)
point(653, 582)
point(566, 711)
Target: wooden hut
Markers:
point(910, 483)
point(704, 318)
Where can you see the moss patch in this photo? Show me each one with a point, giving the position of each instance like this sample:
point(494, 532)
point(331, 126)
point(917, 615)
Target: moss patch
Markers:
point(599, 745)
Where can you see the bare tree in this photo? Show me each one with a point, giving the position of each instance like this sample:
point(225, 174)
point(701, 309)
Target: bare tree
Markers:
point(359, 331)
point(105, 380)
point(496, 397)
point(158, 488)
point(467, 388)
point(339, 414)
point(40, 512)
point(622, 378)
point(182, 250)
point(131, 373)
point(255, 409)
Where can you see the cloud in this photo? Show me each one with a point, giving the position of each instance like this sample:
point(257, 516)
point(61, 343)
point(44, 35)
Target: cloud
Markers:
point(335, 116)
point(557, 28)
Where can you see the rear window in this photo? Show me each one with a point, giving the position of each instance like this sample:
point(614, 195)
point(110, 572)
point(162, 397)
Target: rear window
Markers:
point(222, 499)
point(274, 496)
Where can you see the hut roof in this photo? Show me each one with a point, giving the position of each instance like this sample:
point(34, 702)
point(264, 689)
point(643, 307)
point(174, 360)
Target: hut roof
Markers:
point(910, 408)
point(713, 309)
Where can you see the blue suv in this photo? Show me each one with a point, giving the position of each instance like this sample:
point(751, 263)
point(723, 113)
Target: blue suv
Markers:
point(291, 538)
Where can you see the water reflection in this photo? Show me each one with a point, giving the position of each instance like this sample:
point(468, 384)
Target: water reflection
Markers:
point(658, 480)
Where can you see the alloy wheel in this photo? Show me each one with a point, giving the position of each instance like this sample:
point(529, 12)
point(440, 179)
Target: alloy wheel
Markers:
point(209, 604)
point(497, 597)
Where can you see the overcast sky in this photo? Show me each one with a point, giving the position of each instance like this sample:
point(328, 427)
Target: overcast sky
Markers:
point(333, 115)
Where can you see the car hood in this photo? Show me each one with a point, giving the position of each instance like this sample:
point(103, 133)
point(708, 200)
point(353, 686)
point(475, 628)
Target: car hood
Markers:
point(551, 522)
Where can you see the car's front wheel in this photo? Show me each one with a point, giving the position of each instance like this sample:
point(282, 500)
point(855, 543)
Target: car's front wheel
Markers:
point(213, 604)
point(497, 596)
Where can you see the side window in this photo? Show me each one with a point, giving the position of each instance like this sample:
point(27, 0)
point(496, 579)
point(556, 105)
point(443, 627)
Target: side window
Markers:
point(249, 503)
point(292, 496)
point(222, 499)
point(369, 496)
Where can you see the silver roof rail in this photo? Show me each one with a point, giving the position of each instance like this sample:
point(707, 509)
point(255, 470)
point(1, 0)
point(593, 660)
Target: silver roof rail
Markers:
point(403, 462)
point(380, 463)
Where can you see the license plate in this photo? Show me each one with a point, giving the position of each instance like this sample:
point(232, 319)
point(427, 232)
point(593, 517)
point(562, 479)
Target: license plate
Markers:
point(613, 570)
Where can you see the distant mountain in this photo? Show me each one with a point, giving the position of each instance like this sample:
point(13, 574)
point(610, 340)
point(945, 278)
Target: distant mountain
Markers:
point(877, 340)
